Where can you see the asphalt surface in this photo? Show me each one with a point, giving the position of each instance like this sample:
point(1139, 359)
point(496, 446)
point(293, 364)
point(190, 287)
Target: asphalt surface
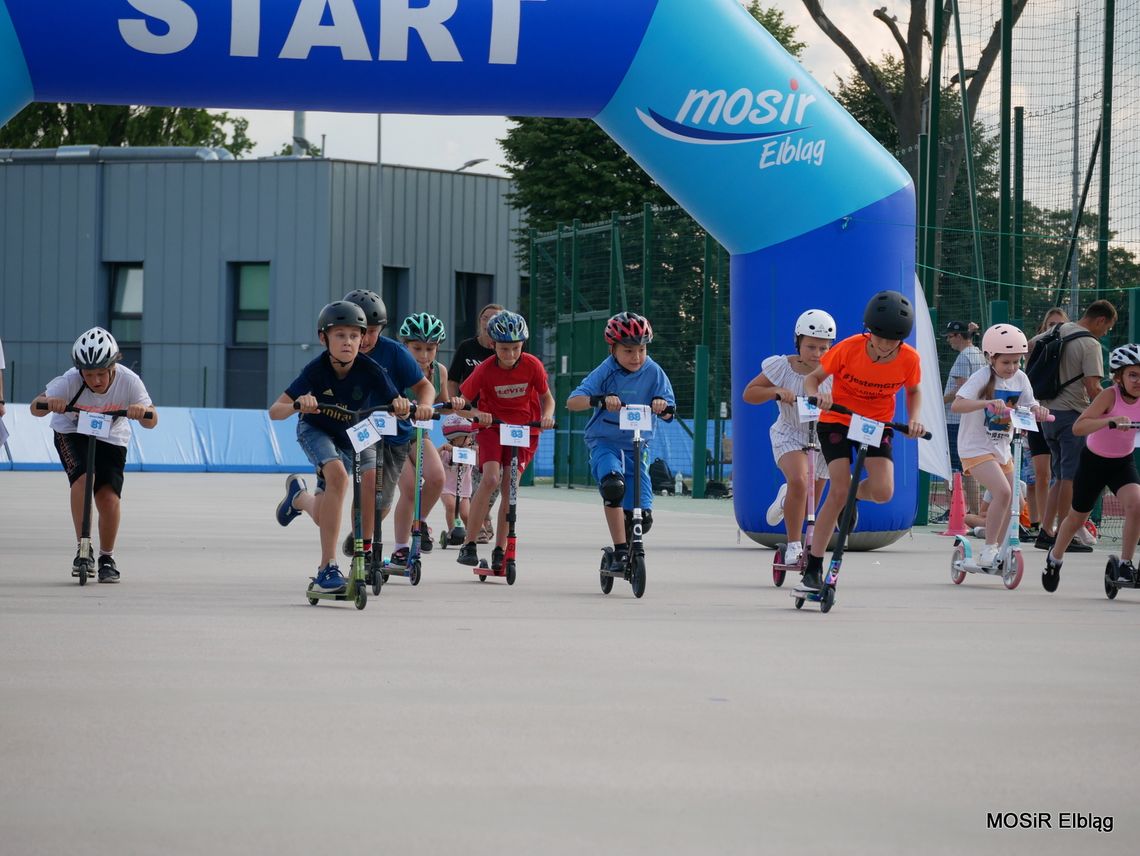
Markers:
point(202, 706)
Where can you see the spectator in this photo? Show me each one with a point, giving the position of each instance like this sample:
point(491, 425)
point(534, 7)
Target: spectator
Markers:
point(960, 337)
point(1082, 368)
point(1038, 448)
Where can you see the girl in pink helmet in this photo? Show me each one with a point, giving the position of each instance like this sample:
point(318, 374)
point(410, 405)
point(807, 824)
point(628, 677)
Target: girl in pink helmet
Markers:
point(984, 401)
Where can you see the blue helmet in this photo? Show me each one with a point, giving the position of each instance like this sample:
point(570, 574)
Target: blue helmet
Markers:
point(507, 326)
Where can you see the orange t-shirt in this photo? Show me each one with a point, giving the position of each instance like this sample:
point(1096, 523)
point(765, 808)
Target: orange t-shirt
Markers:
point(864, 386)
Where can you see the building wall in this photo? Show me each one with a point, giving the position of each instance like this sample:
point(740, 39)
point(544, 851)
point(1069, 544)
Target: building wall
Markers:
point(63, 227)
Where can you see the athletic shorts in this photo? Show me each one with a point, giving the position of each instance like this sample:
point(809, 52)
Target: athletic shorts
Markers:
point(968, 464)
point(834, 444)
point(491, 450)
point(319, 448)
point(1095, 473)
point(110, 460)
point(952, 439)
point(1038, 445)
point(605, 459)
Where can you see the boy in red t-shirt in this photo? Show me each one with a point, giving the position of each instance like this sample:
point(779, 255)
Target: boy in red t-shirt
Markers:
point(510, 387)
point(868, 370)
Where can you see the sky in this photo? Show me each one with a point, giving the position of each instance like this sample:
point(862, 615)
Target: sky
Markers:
point(447, 142)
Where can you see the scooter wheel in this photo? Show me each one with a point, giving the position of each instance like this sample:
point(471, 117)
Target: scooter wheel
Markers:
point(607, 583)
point(83, 573)
point(1110, 588)
point(372, 577)
point(637, 575)
point(956, 560)
point(511, 572)
point(827, 599)
point(1110, 575)
point(383, 578)
point(1011, 578)
point(361, 599)
point(778, 574)
point(312, 600)
point(482, 578)
point(799, 603)
point(415, 575)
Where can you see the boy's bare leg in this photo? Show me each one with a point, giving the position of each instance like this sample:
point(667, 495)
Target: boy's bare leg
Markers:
point(481, 501)
point(107, 502)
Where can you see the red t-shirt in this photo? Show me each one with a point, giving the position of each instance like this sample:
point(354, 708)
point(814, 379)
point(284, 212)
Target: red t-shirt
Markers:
point(864, 386)
point(510, 395)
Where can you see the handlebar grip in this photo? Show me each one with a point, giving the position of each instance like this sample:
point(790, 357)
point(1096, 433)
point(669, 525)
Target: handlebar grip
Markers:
point(41, 405)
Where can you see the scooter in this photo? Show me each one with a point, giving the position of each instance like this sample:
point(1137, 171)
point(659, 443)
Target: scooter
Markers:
point(825, 596)
point(1114, 581)
point(85, 563)
point(633, 569)
point(412, 568)
point(455, 534)
point(780, 568)
point(1009, 564)
point(508, 568)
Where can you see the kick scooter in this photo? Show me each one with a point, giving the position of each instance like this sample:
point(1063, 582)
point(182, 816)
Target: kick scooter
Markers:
point(1114, 580)
point(85, 563)
point(508, 568)
point(825, 596)
point(633, 569)
point(456, 533)
point(1009, 564)
point(412, 567)
point(780, 568)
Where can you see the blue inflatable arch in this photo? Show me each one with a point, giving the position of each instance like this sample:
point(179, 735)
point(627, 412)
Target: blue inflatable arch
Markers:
point(813, 210)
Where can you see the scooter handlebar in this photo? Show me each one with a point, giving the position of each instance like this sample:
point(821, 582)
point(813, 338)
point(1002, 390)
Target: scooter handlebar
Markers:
point(897, 426)
point(524, 424)
point(40, 405)
point(600, 401)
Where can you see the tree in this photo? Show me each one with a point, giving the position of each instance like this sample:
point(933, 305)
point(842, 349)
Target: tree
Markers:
point(44, 125)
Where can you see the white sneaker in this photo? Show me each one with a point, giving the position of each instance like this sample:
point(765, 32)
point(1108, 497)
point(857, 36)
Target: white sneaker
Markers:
point(793, 552)
point(978, 531)
point(988, 556)
point(776, 509)
point(1086, 537)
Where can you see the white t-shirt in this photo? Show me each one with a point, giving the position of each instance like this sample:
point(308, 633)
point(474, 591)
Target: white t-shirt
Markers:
point(982, 433)
point(126, 389)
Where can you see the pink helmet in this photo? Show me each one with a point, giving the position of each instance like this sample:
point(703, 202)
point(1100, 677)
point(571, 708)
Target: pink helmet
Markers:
point(1004, 339)
point(454, 424)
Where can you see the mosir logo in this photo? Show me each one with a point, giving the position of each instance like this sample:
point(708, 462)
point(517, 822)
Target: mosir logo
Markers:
point(718, 117)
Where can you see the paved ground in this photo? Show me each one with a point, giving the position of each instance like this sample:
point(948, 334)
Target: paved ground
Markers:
point(203, 707)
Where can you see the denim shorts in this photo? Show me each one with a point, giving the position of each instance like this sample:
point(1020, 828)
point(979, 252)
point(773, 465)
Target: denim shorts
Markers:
point(319, 448)
point(1064, 446)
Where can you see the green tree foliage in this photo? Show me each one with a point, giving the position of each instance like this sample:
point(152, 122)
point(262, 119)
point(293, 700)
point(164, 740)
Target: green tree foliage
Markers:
point(45, 125)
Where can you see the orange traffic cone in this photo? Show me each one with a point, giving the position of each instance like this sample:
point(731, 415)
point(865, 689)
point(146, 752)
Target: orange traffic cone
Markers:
point(957, 525)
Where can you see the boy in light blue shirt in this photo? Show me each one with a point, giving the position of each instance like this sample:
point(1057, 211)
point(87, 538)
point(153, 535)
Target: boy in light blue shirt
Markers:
point(626, 376)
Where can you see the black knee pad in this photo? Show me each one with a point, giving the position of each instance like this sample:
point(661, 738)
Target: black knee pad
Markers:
point(612, 489)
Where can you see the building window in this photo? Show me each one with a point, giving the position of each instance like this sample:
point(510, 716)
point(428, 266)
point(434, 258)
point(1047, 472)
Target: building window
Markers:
point(251, 305)
point(126, 312)
point(395, 295)
point(473, 291)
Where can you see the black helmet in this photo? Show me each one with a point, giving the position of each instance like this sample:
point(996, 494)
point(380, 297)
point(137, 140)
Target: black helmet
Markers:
point(375, 311)
point(341, 313)
point(889, 315)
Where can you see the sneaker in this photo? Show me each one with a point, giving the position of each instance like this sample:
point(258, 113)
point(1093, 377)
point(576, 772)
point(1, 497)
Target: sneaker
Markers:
point(75, 565)
point(1044, 540)
point(978, 532)
point(486, 534)
point(618, 560)
point(286, 513)
point(776, 509)
point(468, 555)
point(1051, 577)
point(108, 573)
point(328, 579)
point(1126, 573)
point(1024, 535)
point(497, 559)
point(944, 517)
point(792, 553)
point(812, 579)
point(988, 555)
point(1076, 546)
point(1087, 534)
point(400, 557)
point(425, 538)
point(457, 536)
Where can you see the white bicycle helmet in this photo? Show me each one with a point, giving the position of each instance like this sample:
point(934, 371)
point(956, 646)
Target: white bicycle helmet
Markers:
point(95, 349)
point(817, 323)
point(1124, 356)
point(1004, 339)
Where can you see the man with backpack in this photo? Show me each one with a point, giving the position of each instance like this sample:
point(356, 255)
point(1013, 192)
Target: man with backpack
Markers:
point(1066, 368)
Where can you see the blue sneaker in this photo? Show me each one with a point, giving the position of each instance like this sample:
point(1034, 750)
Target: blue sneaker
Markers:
point(328, 579)
point(286, 513)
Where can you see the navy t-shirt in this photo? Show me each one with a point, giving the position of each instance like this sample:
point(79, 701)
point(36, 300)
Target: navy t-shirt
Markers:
point(367, 384)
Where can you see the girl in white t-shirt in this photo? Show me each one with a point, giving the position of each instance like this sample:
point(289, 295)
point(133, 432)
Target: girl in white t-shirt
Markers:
point(781, 379)
point(984, 401)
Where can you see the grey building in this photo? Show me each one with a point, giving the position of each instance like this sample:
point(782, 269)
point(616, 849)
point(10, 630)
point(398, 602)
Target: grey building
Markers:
point(210, 271)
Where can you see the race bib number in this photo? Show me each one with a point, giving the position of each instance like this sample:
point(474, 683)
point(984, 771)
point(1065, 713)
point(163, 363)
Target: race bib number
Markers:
point(362, 435)
point(808, 412)
point(514, 435)
point(1023, 420)
point(635, 417)
point(864, 430)
point(385, 424)
point(94, 424)
point(423, 424)
point(463, 456)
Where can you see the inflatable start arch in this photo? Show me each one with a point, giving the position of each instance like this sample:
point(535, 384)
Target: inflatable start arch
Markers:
point(813, 210)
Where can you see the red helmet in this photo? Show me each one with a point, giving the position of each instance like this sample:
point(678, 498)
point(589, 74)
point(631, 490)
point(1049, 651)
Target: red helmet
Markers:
point(628, 328)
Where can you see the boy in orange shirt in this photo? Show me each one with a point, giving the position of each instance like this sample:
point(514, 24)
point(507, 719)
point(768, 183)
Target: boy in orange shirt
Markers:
point(868, 368)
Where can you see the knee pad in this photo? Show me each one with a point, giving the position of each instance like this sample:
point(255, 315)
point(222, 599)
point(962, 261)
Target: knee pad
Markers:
point(612, 489)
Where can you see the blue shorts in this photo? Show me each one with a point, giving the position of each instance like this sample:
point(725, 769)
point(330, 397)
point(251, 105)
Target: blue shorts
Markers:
point(611, 459)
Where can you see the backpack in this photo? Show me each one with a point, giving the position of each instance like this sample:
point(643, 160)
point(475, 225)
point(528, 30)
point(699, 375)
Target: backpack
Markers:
point(661, 476)
point(1044, 367)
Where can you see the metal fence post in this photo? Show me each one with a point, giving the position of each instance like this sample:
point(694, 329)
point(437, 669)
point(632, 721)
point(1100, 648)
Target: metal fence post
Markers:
point(700, 420)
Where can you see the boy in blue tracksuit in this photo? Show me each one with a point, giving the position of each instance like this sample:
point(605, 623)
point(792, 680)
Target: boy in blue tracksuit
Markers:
point(627, 376)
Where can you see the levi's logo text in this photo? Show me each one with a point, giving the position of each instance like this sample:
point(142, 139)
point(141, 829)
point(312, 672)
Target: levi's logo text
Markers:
point(511, 390)
point(769, 118)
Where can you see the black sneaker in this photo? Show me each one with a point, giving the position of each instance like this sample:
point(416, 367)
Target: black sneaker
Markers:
point(468, 555)
point(618, 559)
point(1076, 546)
point(1044, 540)
point(497, 559)
point(1126, 573)
point(75, 565)
point(108, 573)
point(812, 579)
point(425, 537)
point(1051, 576)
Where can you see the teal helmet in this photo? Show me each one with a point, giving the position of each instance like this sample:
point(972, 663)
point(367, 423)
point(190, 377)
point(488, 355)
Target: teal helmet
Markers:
point(423, 327)
point(507, 326)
